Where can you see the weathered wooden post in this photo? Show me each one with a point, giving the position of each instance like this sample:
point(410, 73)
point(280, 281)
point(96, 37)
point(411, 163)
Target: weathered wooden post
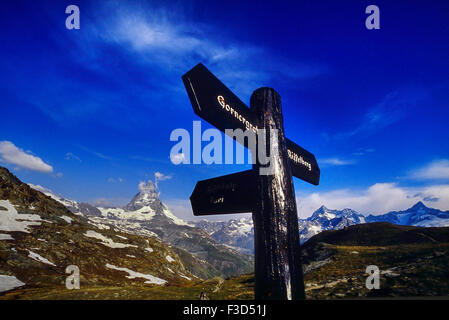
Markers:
point(278, 270)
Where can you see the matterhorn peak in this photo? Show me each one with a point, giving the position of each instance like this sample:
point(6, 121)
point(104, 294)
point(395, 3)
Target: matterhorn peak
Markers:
point(323, 208)
point(147, 188)
point(419, 205)
point(147, 195)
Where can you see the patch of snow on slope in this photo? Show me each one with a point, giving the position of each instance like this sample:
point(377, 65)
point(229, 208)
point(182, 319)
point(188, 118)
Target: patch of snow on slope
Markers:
point(5, 237)
point(39, 258)
point(185, 277)
point(9, 282)
point(132, 275)
point(434, 222)
point(169, 259)
point(66, 219)
point(142, 214)
point(174, 218)
point(10, 220)
point(106, 241)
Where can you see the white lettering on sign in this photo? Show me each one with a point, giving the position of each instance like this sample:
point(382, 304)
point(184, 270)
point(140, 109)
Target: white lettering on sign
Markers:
point(238, 116)
point(298, 159)
point(292, 155)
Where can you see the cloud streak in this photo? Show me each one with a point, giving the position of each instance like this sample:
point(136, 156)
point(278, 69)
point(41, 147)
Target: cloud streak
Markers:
point(393, 107)
point(167, 39)
point(436, 170)
point(16, 156)
point(72, 156)
point(335, 161)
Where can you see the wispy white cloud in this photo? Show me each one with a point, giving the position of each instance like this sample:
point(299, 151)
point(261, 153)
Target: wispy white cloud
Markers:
point(393, 107)
point(171, 41)
point(9, 153)
point(436, 170)
point(159, 176)
point(96, 153)
point(362, 151)
point(72, 156)
point(335, 162)
point(114, 180)
point(377, 199)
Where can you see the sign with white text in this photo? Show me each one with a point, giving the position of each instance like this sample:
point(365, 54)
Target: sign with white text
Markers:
point(215, 103)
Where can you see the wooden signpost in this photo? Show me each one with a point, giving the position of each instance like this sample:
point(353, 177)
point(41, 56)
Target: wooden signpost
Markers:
point(270, 197)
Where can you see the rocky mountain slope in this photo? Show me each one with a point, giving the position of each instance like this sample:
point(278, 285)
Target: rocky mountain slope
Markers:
point(147, 215)
point(40, 238)
point(236, 233)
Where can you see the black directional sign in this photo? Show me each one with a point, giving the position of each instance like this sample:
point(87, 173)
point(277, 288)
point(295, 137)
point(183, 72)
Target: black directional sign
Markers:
point(232, 193)
point(215, 103)
point(271, 197)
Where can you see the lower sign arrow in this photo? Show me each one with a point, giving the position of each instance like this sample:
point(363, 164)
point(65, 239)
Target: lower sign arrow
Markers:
point(233, 193)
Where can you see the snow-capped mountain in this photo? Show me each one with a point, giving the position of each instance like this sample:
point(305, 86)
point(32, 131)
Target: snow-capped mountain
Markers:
point(327, 219)
point(419, 215)
point(147, 215)
point(236, 233)
point(144, 206)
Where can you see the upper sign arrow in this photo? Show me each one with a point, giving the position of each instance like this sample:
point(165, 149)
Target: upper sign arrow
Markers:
point(215, 103)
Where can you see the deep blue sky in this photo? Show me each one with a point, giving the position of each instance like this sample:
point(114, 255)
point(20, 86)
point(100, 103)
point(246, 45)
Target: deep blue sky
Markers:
point(98, 104)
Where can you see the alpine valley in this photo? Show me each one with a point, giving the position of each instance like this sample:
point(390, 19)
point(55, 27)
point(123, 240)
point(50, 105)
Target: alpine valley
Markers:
point(143, 251)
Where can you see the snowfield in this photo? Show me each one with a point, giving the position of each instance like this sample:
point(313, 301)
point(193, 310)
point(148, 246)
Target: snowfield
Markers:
point(66, 219)
point(39, 258)
point(106, 241)
point(9, 282)
point(174, 218)
point(10, 220)
point(434, 222)
point(132, 275)
point(185, 277)
point(6, 237)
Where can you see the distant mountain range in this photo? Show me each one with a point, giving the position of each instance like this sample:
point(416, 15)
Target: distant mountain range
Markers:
point(239, 233)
